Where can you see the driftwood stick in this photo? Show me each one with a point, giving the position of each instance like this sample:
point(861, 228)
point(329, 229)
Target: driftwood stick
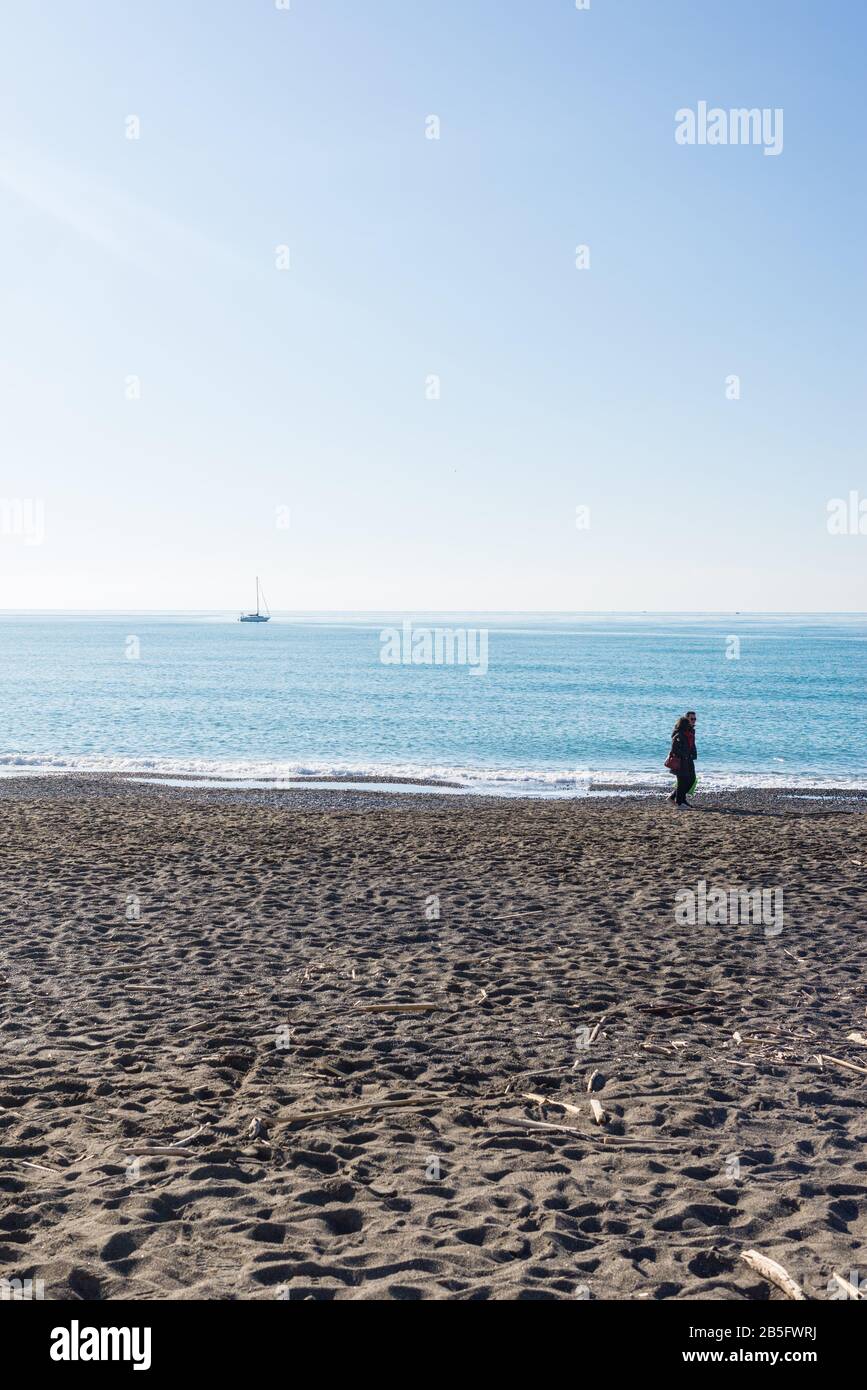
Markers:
point(774, 1273)
point(195, 1134)
point(599, 1115)
point(539, 1124)
point(839, 1062)
point(549, 1100)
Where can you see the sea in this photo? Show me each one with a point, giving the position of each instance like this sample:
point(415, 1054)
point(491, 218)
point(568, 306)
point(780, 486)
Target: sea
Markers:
point(502, 704)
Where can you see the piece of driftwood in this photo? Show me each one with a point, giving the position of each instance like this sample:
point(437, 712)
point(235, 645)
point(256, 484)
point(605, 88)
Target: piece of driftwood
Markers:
point(599, 1115)
point(550, 1100)
point(195, 1134)
point(542, 1124)
point(595, 1031)
point(658, 1048)
point(857, 1038)
point(840, 1062)
point(774, 1273)
point(178, 1145)
point(592, 1080)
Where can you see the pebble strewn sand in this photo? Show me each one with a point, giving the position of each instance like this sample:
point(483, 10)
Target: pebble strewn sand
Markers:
point(270, 924)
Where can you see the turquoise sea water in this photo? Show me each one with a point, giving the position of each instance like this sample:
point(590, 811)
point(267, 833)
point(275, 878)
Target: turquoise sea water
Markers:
point(564, 699)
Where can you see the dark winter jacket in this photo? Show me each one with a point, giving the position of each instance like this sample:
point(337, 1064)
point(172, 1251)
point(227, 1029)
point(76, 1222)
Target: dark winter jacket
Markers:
point(682, 747)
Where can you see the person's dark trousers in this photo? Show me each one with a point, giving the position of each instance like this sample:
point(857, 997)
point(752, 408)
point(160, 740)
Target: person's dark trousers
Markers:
point(684, 782)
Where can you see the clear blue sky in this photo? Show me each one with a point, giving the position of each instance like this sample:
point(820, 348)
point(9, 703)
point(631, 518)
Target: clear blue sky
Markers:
point(305, 388)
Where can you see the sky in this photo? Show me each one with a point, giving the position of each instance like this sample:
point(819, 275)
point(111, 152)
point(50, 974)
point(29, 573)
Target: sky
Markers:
point(283, 331)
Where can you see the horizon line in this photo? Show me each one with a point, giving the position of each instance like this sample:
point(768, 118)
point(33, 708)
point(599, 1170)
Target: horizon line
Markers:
point(508, 612)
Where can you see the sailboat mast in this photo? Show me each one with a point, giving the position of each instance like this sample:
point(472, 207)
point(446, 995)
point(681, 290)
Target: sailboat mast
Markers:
point(257, 595)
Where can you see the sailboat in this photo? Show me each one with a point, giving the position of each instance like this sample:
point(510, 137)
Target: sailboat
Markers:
point(256, 617)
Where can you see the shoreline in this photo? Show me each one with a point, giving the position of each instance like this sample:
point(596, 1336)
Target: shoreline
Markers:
point(346, 793)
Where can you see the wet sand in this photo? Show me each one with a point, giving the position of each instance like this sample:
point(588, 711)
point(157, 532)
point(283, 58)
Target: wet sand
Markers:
point(206, 1090)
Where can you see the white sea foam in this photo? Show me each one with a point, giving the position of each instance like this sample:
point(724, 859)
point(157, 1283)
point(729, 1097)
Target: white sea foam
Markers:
point(500, 781)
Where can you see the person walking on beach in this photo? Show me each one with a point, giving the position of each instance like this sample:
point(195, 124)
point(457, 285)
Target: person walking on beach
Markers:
point(681, 759)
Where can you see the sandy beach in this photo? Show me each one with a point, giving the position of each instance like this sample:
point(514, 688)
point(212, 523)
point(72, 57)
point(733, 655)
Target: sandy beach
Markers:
point(339, 1045)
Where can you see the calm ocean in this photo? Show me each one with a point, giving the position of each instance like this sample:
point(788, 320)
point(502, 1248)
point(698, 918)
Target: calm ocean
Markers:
point(780, 699)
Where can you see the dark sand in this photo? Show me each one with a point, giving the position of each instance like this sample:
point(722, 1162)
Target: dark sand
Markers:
point(268, 923)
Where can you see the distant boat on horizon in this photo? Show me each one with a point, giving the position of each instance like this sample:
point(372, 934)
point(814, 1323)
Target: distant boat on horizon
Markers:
point(256, 617)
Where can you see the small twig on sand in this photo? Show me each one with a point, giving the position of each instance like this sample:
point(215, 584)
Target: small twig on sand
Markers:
point(178, 1147)
point(163, 1150)
point(599, 1115)
point(583, 1134)
point(799, 959)
point(546, 1071)
point(774, 1273)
